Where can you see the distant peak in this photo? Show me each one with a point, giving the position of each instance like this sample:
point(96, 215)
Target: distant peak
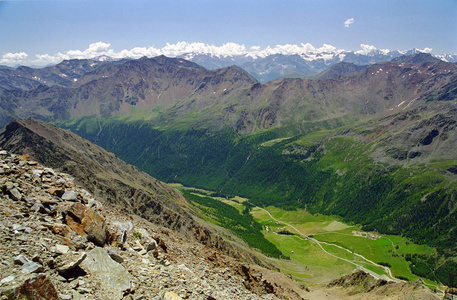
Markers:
point(418, 57)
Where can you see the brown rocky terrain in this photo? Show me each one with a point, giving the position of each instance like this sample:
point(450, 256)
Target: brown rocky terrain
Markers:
point(360, 285)
point(59, 242)
point(113, 181)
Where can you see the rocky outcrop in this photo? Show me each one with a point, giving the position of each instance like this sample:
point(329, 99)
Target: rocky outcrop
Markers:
point(361, 285)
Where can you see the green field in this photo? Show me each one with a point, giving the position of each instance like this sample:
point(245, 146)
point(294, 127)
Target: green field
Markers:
point(386, 250)
point(297, 234)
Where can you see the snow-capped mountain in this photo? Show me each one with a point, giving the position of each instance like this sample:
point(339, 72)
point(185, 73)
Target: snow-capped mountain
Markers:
point(265, 66)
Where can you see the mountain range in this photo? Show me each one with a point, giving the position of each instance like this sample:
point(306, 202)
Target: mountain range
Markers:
point(264, 66)
point(372, 144)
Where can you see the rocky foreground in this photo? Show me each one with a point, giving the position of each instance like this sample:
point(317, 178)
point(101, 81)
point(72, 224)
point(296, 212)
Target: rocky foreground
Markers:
point(58, 242)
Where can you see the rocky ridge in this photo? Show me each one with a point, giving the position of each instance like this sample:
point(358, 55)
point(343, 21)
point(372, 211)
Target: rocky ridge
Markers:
point(360, 285)
point(59, 242)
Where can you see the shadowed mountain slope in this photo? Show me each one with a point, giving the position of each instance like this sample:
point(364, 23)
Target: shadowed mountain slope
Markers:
point(112, 180)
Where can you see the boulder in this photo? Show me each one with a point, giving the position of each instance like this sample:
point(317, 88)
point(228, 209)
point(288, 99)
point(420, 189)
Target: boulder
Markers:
point(21, 259)
point(86, 221)
point(171, 296)
point(15, 194)
point(95, 227)
point(37, 288)
point(70, 196)
point(69, 261)
point(31, 267)
point(114, 277)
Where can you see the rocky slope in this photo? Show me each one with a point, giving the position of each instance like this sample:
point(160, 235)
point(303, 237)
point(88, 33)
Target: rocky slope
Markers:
point(59, 242)
point(63, 74)
point(360, 285)
point(339, 70)
point(112, 180)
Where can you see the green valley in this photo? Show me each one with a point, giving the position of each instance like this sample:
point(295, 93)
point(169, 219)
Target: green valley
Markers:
point(352, 171)
point(318, 247)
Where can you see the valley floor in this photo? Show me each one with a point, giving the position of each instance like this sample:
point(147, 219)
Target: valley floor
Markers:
point(323, 249)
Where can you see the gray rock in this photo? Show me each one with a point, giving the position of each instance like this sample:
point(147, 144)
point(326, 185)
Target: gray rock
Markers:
point(151, 246)
point(137, 248)
point(69, 261)
point(127, 226)
point(37, 207)
point(37, 173)
point(115, 256)
point(65, 296)
point(60, 181)
point(61, 278)
point(84, 290)
point(15, 194)
point(17, 227)
point(171, 296)
point(29, 200)
point(6, 263)
point(123, 236)
point(31, 267)
point(70, 196)
point(7, 279)
point(48, 171)
point(113, 275)
point(61, 249)
point(21, 259)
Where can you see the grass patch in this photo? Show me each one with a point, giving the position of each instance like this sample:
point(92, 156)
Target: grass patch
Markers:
point(387, 250)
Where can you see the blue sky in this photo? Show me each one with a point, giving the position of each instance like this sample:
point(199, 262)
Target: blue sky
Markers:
point(50, 26)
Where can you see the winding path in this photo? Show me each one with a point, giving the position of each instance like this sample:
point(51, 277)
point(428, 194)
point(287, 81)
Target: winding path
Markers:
point(319, 243)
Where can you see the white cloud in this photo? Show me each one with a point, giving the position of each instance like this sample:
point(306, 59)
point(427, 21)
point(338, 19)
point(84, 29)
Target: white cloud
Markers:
point(327, 49)
point(425, 50)
point(348, 22)
point(13, 58)
point(227, 49)
point(173, 50)
point(189, 50)
point(366, 49)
